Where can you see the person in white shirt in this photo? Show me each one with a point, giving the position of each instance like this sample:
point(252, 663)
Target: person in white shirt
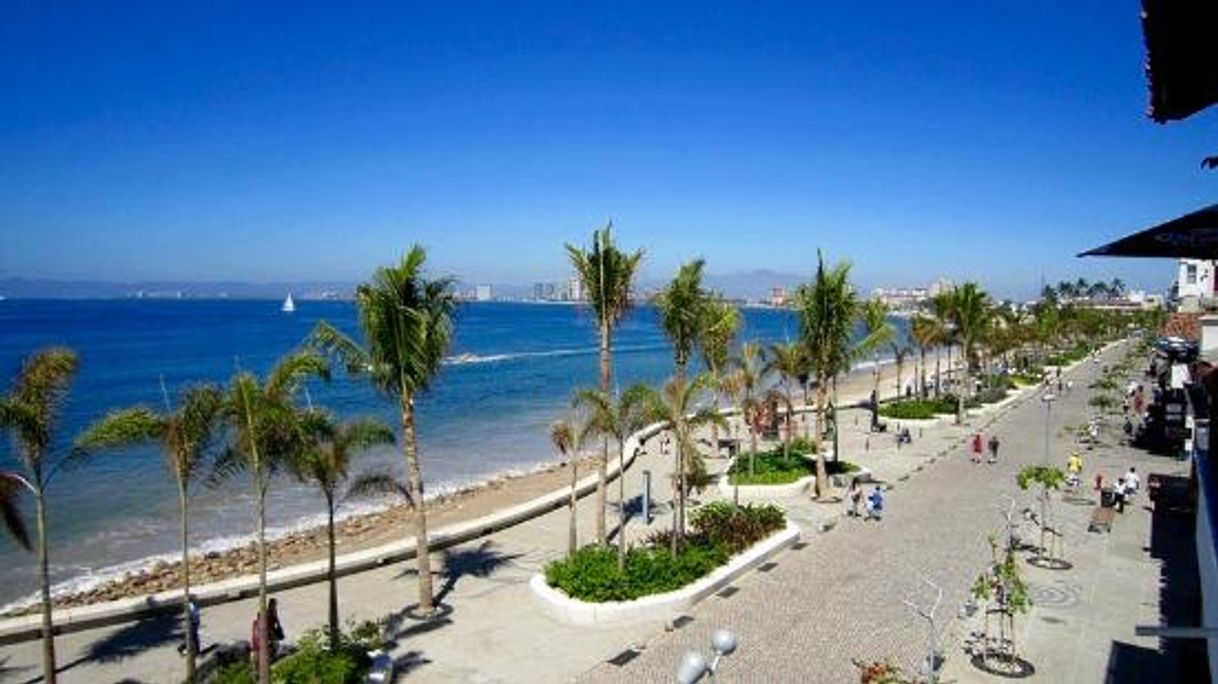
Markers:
point(1118, 495)
point(1132, 483)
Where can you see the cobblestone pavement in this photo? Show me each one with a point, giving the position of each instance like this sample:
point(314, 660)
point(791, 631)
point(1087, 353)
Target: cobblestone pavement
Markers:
point(840, 597)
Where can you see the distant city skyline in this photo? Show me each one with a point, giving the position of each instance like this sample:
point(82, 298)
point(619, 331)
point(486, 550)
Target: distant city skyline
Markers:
point(230, 141)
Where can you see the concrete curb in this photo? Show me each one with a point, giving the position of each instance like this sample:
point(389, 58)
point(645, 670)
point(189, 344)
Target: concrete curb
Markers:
point(658, 607)
point(29, 627)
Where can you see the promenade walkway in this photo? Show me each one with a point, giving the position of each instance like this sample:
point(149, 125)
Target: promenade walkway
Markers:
point(836, 598)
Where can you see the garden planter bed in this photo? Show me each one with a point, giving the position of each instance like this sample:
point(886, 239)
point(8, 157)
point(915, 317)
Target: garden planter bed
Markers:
point(756, 492)
point(658, 607)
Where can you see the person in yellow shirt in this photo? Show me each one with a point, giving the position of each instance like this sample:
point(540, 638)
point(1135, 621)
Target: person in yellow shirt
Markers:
point(1074, 466)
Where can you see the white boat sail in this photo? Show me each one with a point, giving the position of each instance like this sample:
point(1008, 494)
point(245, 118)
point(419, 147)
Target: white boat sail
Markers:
point(288, 305)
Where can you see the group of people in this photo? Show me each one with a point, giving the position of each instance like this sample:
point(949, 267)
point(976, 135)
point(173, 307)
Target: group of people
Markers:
point(274, 629)
point(869, 507)
point(979, 444)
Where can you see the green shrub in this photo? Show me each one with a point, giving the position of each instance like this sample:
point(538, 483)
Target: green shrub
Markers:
point(719, 530)
point(991, 395)
point(234, 673)
point(314, 663)
point(803, 445)
point(918, 409)
point(772, 468)
point(736, 527)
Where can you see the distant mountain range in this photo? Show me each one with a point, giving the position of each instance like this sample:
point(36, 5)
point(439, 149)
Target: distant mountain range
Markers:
point(743, 285)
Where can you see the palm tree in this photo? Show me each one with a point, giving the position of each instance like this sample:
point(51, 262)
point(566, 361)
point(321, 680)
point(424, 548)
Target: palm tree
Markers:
point(748, 380)
point(326, 463)
point(614, 418)
point(970, 313)
point(407, 324)
point(877, 332)
point(606, 275)
point(675, 405)
point(265, 432)
point(720, 325)
point(682, 307)
point(566, 438)
point(788, 361)
point(185, 436)
point(10, 489)
point(826, 308)
point(900, 352)
point(941, 310)
point(30, 412)
point(925, 333)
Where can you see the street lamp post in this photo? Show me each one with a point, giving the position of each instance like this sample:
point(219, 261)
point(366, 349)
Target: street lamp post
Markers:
point(1048, 398)
point(694, 666)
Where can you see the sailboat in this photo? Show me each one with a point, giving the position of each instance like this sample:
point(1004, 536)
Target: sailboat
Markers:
point(288, 305)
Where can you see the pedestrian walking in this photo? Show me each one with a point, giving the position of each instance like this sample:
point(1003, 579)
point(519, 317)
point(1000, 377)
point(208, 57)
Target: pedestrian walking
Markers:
point(976, 450)
point(855, 496)
point(993, 457)
point(193, 618)
point(875, 504)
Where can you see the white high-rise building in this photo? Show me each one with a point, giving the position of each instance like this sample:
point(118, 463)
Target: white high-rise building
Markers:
point(482, 293)
point(575, 290)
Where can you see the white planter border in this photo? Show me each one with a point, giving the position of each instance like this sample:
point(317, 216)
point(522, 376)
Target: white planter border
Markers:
point(563, 608)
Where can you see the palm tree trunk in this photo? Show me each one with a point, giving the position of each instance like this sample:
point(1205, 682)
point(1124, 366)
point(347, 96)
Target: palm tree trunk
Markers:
point(414, 485)
point(821, 473)
point(192, 648)
point(331, 576)
point(938, 378)
point(676, 509)
point(962, 388)
point(922, 377)
point(264, 646)
point(805, 417)
point(602, 464)
point(44, 579)
point(572, 541)
point(621, 506)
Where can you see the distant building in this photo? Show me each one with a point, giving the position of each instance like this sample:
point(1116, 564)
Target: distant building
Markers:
point(939, 287)
point(1195, 284)
point(779, 296)
point(482, 293)
point(575, 290)
point(545, 292)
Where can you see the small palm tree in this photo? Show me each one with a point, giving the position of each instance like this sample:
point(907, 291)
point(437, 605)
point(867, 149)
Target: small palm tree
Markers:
point(877, 332)
point(720, 325)
point(616, 419)
point(788, 361)
point(970, 313)
point(941, 310)
point(826, 308)
point(675, 406)
point(749, 371)
point(10, 488)
point(900, 352)
point(326, 463)
point(185, 436)
point(682, 308)
point(265, 432)
point(407, 322)
point(606, 275)
point(925, 333)
point(30, 412)
point(566, 439)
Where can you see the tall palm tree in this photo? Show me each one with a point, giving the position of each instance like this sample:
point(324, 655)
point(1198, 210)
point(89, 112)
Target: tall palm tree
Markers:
point(606, 275)
point(900, 352)
point(30, 412)
point(970, 313)
point(265, 432)
point(877, 332)
point(925, 332)
point(676, 406)
point(407, 324)
point(614, 418)
point(326, 463)
point(10, 488)
point(186, 437)
point(717, 333)
point(748, 379)
point(566, 438)
point(826, 308)
point(941, 310)
point(788, 361)
point(682, 305)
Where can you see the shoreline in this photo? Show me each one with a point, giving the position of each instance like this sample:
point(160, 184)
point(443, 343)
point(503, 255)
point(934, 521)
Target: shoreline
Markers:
point(355, 532)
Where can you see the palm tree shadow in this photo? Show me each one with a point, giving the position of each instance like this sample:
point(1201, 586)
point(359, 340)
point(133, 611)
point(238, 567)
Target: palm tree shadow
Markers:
point(406, 663)
point(7, 672)
point(129, 641)
point(481, 561)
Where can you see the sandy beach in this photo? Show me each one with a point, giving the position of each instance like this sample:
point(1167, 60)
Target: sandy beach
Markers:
point(374, 529)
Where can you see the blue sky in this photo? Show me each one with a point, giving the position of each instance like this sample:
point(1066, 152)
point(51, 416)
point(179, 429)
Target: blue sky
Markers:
point(255, 141)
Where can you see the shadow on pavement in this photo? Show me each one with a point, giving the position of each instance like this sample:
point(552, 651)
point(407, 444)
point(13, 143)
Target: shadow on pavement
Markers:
point(407, 663)
point(7, 672)
point(1176, 660)
point(129, 641)
point(481, 561)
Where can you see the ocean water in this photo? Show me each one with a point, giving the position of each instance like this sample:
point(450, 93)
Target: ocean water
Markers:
point(513, 370)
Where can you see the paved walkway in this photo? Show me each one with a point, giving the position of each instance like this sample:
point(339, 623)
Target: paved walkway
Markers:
point(837, 598)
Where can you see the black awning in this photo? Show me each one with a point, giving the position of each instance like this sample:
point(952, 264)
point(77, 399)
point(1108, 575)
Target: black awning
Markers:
point(1192, 236)
point(1181, 56)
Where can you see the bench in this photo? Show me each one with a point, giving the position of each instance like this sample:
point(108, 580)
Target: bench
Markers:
point(1101, 519)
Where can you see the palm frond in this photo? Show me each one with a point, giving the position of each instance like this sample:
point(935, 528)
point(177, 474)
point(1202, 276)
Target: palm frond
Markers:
point(378, 484)
point(10, 489)
point(121, 428)
point(364, 433)
point(334, 343)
